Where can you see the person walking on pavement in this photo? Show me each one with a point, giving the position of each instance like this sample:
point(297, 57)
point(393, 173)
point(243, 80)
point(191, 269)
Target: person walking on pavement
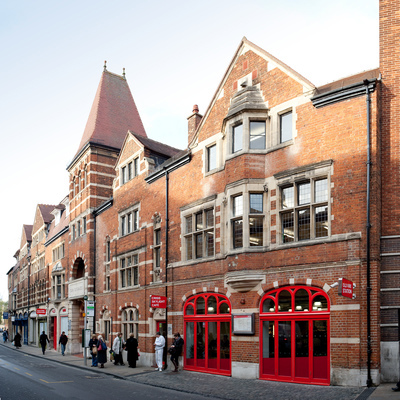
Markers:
point(176, 350)
point(43, 341)
point(159, 348)
point(63, 341)
point(5, 336)
point(17, 340)
point(131, 347)
point(93, 344)
point(117, 347)
point(101, 351)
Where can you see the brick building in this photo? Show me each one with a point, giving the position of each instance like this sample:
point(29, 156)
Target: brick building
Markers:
point(282, 192)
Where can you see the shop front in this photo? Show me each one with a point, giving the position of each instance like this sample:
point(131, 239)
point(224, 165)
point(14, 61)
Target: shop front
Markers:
point(207, 320)
point(294, 335)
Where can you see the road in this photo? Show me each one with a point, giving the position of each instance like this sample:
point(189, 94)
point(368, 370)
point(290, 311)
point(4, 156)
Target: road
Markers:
point(25, 377)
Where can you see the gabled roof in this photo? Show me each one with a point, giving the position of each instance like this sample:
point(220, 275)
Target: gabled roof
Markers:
point(45, 210)
point(113, 112)
point(28, 232)
point(273, 63)
point(156, 147)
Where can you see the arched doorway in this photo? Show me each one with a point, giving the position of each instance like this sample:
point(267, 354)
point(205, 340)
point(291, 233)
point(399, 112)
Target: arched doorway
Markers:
point(294, 335)
point(208, 334)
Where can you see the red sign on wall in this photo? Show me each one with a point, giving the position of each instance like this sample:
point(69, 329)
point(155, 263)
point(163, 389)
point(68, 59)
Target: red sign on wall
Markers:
point(158, 302)
point(41, 311)
point(346, 288)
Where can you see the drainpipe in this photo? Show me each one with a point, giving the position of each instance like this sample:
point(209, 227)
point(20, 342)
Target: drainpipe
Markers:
point(369, 350)
point(94, 273)
point(166, 259)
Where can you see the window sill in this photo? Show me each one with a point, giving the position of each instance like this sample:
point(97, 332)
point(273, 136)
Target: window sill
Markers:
point(124, 289)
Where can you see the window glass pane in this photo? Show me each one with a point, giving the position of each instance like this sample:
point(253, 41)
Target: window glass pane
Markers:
point(129, 277)
point(257, 135)
point(288, 227)
point(189, 343)
point(201, 343)
point(210, 244)
point(237, 138)
point(189, 224)
point(212, 157)
point(224, 308)
point(189, 310)
point(302, 300)
point(321, 221)
point(211, 305)
point(320, 303)
point(199, 246)
point(130, 171)
point(238, 206)
point(123, 173)
point(256, 231)
point(288, 197)
point(136, 169)
point(199, 221)
point(285, 301)
point(225, 353)
point(209, 218)
point(269, 305)
point(321, 190)
point(304, 193)
point(256, 203)
point(136, 276)
point(189, 248)
point(286, 126)
point(237, 233)
point(285, 348)
point(212, 336)
point(123, 278)
point(200, 305)
point(158, 236)
point(129, 227)
point(303, 217)
point(268, 362)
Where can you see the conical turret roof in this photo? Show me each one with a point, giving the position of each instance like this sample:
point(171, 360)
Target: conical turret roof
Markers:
point(113, 113)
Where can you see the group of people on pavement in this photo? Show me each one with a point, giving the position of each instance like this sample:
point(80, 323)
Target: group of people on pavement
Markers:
point(98, 348)
point(175, 350)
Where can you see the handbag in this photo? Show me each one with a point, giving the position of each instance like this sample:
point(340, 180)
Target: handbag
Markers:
point(171, 350)
point(99, 348)
point(94, 349)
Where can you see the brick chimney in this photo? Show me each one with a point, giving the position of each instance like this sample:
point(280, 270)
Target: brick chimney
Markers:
point(193, 122)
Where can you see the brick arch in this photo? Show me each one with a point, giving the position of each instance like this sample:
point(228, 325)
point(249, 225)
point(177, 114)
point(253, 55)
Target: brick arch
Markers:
point(200, 290)
point(295, 282)
point(78, 258)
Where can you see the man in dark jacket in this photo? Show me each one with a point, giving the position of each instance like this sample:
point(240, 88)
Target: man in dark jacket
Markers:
point(63, 341)
point(43, 341)
point(176, 350)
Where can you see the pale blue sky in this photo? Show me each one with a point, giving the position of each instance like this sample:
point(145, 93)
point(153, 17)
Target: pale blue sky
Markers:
point(175, 54)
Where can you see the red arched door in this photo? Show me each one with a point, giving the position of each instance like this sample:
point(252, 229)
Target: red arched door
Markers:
point(294, 335)
point(208, 334)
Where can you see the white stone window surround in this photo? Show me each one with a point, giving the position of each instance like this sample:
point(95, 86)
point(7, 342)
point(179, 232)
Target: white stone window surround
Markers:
point(245, 187)
point(132, 159)
point(245, 119)
point(131, 210)
point(192, 209)
point(132, 254)
point(310, 173)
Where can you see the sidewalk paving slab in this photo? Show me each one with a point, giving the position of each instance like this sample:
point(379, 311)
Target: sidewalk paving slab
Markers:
point(216, 385)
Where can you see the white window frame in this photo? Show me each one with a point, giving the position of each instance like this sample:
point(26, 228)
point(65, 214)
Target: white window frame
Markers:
point(129, 220)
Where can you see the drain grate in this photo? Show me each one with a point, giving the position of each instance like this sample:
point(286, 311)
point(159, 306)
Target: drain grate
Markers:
point(366, 393)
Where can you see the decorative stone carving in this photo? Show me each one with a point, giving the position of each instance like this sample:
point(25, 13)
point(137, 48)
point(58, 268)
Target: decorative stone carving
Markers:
point(244, 281)
point(159, 314)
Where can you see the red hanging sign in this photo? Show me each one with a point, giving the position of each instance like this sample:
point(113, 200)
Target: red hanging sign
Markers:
point(158, 302)
point(346, 288)
point(41, 311)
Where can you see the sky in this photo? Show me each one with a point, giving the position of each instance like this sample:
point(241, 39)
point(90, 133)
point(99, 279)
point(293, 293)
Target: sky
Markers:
point(175, 54)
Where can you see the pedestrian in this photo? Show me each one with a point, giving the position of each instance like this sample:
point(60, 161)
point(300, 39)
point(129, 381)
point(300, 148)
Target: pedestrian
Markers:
point(63, 341)
point(101, 351)
point(131, 347)
point(176, 350)
point(4, 336)
point(93, 344)
point(117, 347)
point(159, 348)
point(17, 340)
point(43, 341)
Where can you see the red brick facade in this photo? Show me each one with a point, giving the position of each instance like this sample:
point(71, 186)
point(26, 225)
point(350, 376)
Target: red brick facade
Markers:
point(244, 211)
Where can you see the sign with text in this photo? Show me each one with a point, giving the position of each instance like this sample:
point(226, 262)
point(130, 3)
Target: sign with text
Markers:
point(90, 309)
point(158, 302)
point(243, 324)
point(41, 311)
point(5, 315)
point(346, 288)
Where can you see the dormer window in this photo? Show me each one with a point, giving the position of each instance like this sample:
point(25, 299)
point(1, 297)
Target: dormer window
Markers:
point(129, 171)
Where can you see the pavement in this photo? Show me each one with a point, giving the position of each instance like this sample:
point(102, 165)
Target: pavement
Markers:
point(217, 386)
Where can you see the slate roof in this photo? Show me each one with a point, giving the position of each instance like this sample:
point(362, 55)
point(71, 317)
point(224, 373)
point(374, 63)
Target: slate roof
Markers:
point(28, 232)
point(45, 210)
point(156, 147)
point(113, 113)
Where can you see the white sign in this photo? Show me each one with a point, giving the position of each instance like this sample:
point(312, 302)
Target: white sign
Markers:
point(90, 309)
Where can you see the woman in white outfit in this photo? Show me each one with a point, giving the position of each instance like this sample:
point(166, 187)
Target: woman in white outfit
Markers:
point(159, 345)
